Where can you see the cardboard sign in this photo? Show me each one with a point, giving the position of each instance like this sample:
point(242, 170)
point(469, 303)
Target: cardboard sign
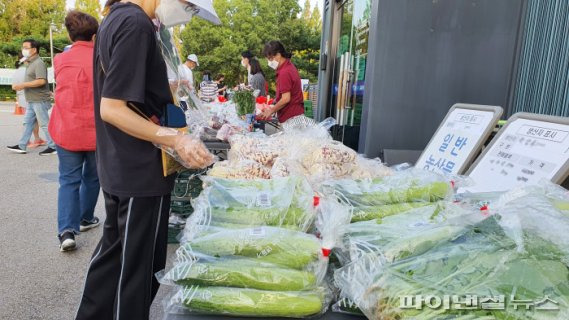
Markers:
point(529, 148)
point(459, 138)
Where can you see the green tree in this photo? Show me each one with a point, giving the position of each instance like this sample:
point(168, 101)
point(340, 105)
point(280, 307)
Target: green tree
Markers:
point(248, 25)
point(21, 19)
point(306, 14)
point(92, 7)
point(315, 21)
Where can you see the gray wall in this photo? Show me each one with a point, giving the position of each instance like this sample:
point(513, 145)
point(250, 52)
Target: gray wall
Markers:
point(426, 55)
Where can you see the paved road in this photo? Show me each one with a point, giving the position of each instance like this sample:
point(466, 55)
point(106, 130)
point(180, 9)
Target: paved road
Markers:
point(36, 280)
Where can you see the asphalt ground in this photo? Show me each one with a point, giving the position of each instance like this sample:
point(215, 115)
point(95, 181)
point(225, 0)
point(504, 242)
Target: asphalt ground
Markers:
point(36, 280)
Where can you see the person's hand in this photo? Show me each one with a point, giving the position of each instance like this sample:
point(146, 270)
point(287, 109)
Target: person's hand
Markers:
point(192, 152)
point(267, 113)
point(18, 87)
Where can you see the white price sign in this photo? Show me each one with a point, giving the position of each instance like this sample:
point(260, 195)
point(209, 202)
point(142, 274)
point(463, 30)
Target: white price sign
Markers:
point(459, 138)
point(526, 151)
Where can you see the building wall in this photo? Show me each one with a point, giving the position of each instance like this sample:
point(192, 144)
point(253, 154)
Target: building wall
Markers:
point(426, 55)
point(542, 78)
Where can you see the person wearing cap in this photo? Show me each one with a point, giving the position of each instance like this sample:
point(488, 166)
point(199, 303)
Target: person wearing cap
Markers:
point(186, 71)
point(131, 93)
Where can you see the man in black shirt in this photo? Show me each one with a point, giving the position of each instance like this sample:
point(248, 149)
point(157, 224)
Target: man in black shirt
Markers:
point(130, 88)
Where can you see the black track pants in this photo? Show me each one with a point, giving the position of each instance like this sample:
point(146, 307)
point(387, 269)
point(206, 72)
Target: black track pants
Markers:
point(120, 283)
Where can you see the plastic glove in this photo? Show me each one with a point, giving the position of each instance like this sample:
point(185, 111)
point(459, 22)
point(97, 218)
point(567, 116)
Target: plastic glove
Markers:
point(192, 153)
point(188, 150)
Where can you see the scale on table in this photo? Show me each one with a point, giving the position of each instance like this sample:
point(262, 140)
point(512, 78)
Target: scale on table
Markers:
point(528, 148)
point(459, 138)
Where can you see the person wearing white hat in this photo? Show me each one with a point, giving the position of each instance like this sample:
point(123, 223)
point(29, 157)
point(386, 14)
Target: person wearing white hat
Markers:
point(130, 88)
point(186, 73)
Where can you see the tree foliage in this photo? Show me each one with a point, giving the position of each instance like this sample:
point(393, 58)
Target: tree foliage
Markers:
point(248, 25)
point(92, 7)
point(22, 19)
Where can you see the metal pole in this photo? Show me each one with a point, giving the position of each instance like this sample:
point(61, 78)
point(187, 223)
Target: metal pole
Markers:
point(51, 25)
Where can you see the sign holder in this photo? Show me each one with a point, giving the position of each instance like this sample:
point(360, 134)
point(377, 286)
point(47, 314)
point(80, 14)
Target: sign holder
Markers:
point(486, 132)
point(561, 174)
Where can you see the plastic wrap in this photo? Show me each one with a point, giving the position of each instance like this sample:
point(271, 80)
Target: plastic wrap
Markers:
point(188, 150)
point(332, 218)
point(248, 302)
point(239, 273)
point(514, 264)
point(240, 169)
point(261, 149)
point(284, 167)
point(260, 271)
point(411, 233)
point(407, 186)
point(346, 306)
point(227, 131)
point(284, 202)
point(370, 169)
point(326, 159)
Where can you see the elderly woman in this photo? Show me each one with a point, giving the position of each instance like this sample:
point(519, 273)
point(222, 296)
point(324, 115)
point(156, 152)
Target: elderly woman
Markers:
point(72, 127)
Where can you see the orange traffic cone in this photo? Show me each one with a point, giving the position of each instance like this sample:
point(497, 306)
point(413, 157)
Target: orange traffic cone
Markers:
point(19, 110)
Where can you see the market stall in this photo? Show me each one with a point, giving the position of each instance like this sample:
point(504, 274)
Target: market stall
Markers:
point(298, 225)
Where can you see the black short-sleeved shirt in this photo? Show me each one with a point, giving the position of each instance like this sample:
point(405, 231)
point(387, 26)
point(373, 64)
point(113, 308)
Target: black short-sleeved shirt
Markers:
point(128, 66)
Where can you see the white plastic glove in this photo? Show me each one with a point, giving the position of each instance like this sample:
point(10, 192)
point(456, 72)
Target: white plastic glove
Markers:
point(188, 150)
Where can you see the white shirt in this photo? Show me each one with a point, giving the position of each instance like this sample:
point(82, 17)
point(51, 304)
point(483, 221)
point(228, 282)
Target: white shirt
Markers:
point(186, 74)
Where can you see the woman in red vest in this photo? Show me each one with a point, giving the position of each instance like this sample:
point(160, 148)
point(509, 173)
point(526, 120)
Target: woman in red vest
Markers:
point(72, 127)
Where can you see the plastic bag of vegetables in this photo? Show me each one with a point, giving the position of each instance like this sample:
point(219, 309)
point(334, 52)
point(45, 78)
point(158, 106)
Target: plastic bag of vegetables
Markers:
point(194, 269)
point(262, 271)
point(512, 265)
point(286, 202)
point(279, 246)
point(401, 236)
point(400, 192)
point(248, 302)
point(254, 271)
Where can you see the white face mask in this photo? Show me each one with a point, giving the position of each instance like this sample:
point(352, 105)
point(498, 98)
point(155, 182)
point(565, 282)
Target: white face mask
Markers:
point(273, 64)
point(174, 12)
point(243, 64)
point(26, 53)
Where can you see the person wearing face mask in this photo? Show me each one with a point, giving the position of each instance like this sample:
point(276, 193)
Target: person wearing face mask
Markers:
point(38, 96)
point(257, 78)
point(19, 77)
point(289, 97)
point(131, 93)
